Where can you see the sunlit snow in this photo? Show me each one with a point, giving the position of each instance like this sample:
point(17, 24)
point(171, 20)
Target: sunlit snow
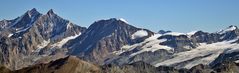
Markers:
point(9, 35)
point(139, 34)
point(150, 44)
point(42, 45)
point(121, 19)
point(231, 28)
point(174, 33)
point(65, 40)
point(69, 25)
point(208, 52)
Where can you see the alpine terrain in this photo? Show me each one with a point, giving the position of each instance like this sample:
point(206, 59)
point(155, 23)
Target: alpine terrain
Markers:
point(47, 43)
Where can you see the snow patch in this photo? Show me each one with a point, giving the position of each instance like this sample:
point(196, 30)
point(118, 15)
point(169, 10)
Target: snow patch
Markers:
point(237, 61)
point(69, 25)
point(65, 40)
point(42, 45)
point(139, 34)
point(10, 35)
point(174, 33)
point(22, 30)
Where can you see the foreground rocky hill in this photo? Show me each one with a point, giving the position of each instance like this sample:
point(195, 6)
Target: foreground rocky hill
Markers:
point(72, 64)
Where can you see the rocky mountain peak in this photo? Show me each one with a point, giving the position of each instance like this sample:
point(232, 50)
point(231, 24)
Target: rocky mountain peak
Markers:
point(233, 26)
point(119, 20)
point(33, 12)
point(113, 21)
point(26, 19)
point(51, 12)
point(109, 25)
point(228, 29)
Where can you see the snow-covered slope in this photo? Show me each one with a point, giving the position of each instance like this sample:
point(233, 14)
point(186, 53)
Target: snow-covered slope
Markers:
point(181, 50)
point(149, 44)
point(230, 28)
point(203, 54)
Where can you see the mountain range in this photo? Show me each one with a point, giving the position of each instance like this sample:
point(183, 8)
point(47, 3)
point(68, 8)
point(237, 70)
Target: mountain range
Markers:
point(48, 43)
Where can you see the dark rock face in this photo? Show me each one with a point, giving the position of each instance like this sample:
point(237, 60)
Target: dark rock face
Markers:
point(26, 20)
point(178, 42)
point(163, 31)
point(102, 38)
point(233, 56)
point(224, 35)
point(202, 37)
point(54, 27)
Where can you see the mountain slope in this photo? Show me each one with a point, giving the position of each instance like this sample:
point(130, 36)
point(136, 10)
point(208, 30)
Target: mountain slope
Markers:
point(178, 49)
point(103, 37)
point(36, 39)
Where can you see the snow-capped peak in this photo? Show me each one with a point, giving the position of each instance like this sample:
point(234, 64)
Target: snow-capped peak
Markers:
point(231, 28)
point(228, 29)
point(191, 33)
point(114, 19)
point(122, 19)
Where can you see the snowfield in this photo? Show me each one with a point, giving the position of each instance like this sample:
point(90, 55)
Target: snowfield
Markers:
point(139, 34)
point(174, 33)
point(150, 44)
point(203, 54)
point(208, 52)
point(231, 28)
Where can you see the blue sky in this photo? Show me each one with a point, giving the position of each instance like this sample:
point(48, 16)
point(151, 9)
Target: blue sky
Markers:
point(175, 15)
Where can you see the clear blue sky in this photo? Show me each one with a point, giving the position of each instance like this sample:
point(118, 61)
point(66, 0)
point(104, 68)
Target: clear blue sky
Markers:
point(175, 15)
